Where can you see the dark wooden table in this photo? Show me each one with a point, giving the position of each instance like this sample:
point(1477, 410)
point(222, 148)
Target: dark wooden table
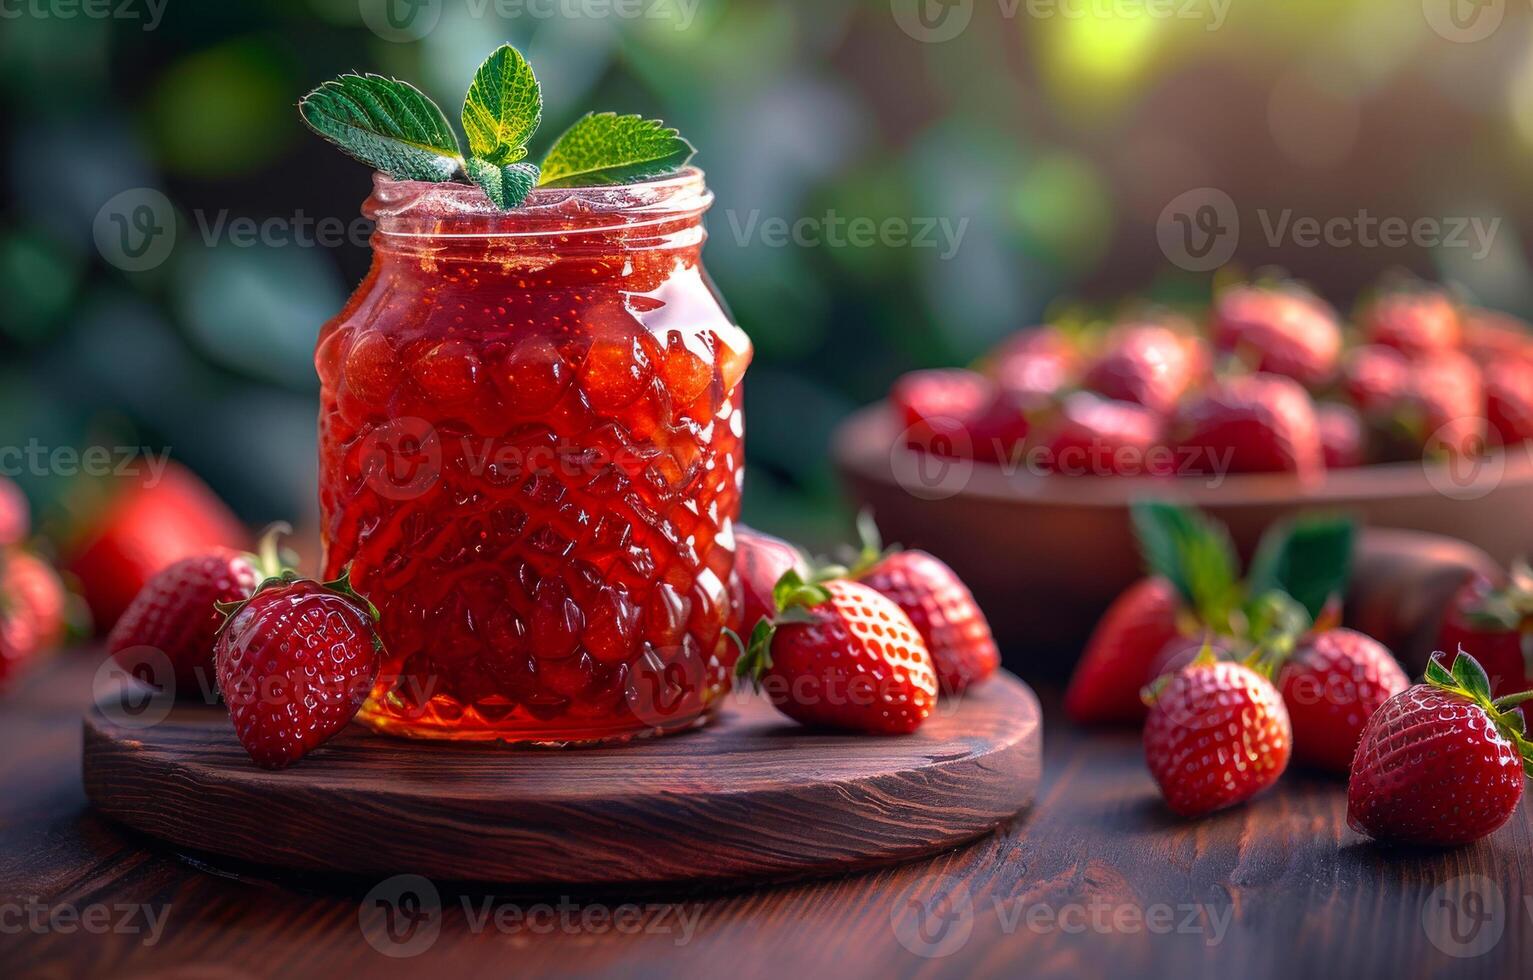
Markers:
point(1098, 880)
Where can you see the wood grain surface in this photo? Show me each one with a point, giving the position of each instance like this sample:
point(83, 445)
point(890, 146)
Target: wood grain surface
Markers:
point(1097, 881)
point(751, 796)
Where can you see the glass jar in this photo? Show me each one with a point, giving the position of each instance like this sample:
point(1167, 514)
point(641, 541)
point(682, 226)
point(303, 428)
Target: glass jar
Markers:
point(530, 458)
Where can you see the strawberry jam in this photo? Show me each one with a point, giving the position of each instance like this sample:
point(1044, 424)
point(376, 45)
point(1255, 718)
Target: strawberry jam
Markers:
point(530, 456)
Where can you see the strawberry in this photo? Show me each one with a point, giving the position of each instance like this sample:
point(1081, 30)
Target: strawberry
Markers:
point(838, 654)
point(1440, 763)
point(142, 529)
point(958, 413)
point(944, 613)
point(1375, 378)
point(1495, 625)
point(1509, 401)
point(176, 612)
point(1148, 364)
point(1415, 320)
point(1331, 684)
point(1034, 366)
point(1444, 411)
point(1280, 329)
point(31, 610)
point(761, 560)
point(15, 515)
point(1257, 423)
point(1341, 435)
point(1104, 689)
point(295, 662)
point(1095, 436)
point(1181, 651)
point(1217, 734)
point(1491, 337)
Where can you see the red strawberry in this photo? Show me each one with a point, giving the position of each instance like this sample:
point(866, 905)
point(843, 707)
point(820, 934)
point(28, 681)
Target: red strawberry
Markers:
point(15, 515)
point(1495, 626)
point(1180, 652)
point(1094, 436)
point(1440, 763)
point(1257, 423)
point(1445, 407)
point(761, 560)
point(176, 614)
point(1120, 653)
point(295, 662)
point(1146, 363)
point(31, 610)
point(1217, 734)
point(1281, 329)
point(1331, 684)
point(1491, 337)
point(958, 413)
point(1034, 365)
point(1416, 320)
point(1509, 401)
point(141, 530)
point(944, 613)
point(1375, 378)
point(839, 654)
point(1341, 435)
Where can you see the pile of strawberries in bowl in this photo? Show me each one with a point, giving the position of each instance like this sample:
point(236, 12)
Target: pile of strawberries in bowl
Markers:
point(1274, 381)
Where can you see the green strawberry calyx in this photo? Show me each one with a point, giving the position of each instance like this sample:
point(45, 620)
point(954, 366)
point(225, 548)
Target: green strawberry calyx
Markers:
point(1468, 680)
point(792, 598)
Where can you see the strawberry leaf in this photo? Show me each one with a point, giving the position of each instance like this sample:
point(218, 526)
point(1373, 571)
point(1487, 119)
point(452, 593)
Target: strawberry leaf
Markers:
point(507, 185)
point(502, 109)
point(1310, 558)
point(1193, 552)
point(605, 148)
point(1472, 677)
point(385, 123)
point(1437, 674)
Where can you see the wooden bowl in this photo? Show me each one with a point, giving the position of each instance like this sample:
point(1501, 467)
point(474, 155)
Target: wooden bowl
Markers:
point(1046, 554)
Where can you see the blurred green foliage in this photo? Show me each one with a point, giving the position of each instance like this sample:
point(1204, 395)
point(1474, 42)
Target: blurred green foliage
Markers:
point(1052, 139)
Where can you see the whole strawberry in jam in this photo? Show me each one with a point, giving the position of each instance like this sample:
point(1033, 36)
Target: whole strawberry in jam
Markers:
point(1257, 423)
point(957, 413)
point(1494, 624)
point(944, 613)
point(1332, 683)
point(176, 613)
point(840, 655)
point(1217, 734)
point(1416, 320)
point(145, 525)
point(1149, 364)
point(31, 610)
point(1440, 763)
point(1104, 689)
point(1509, 401)
point(1095, 436)
point(295, 662)
point(1341, 435)
point(761, 560)
point(1279, 328)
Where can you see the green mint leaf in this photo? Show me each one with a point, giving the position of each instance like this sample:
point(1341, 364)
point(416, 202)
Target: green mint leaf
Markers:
point(385, 123)
point(1193, 552)
point(1310, 558)
point(503, 108)
point(507, 185)
point(605, 148)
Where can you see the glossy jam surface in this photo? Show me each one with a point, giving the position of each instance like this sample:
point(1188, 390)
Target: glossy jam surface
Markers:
point(530, 455)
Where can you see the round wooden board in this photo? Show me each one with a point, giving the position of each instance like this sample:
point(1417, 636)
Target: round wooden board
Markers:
point(752, 796)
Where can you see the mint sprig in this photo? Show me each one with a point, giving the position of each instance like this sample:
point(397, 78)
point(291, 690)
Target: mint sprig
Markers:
point(393, 127)
point(387, 124)
point(605, 148)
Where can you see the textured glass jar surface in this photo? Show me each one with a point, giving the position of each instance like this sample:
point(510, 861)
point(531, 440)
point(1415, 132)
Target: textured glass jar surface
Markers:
point(530, 459)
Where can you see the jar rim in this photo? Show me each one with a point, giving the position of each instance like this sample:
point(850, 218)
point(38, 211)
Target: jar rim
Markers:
point(413, 208)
